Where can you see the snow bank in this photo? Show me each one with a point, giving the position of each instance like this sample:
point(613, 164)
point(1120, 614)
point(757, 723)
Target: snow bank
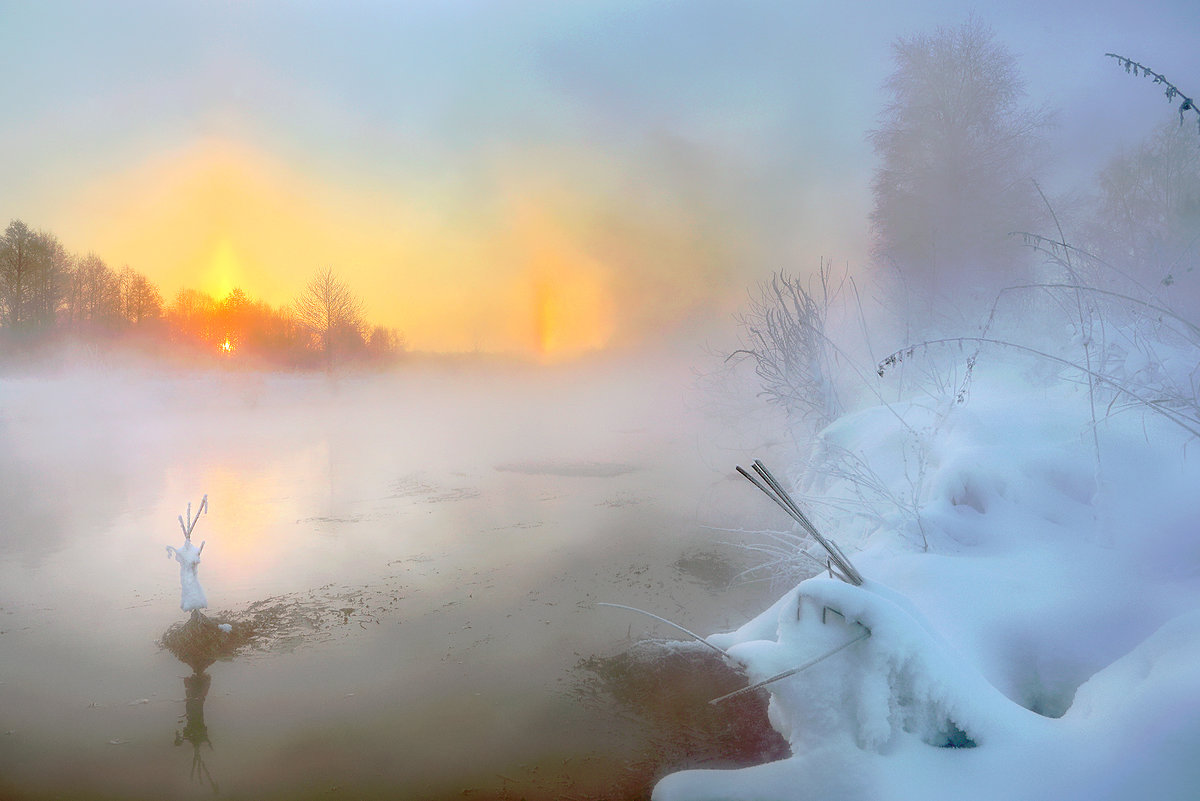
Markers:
point(1044, 646)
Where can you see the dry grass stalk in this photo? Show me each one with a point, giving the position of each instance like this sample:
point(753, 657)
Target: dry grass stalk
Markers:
point(839, 564)
point(689, 633)
point(792, 672)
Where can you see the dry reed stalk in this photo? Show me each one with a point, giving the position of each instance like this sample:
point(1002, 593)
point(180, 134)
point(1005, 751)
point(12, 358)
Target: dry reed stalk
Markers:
point(771, 487)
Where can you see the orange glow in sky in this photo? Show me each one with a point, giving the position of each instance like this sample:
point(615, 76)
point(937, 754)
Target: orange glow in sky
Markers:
point(570, 309)
point(218, 216)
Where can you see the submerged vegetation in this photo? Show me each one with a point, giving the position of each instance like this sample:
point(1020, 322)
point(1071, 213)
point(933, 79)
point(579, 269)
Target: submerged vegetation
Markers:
point(280, 623)
point(663, 716)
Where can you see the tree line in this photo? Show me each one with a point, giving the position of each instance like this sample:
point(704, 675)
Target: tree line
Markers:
point(969, 250)
point(958, 148)
point(50, 297)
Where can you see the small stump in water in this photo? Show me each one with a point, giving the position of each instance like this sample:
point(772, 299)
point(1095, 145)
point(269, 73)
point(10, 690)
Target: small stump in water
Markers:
point(200, 640)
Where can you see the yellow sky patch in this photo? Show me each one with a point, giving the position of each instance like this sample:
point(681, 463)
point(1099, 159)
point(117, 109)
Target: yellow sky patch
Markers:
point(218, 215)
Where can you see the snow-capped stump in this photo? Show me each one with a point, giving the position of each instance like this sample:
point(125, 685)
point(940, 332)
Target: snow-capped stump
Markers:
point(188, 555)
point(200, 640)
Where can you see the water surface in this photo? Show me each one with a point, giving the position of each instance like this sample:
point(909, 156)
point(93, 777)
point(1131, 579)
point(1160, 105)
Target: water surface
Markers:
point(435, 539)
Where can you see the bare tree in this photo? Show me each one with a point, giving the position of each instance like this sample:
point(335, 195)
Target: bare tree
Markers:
point(34, 267)
point(93, 296)
point(140, 299)
point(958, 149)
point(48, 287)
point(17, 267)
point(385, 343)
point(331, 312)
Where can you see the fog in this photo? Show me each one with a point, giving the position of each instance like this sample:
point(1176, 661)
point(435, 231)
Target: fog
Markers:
point(436, 539)
point(416, 557)
point(680, 151)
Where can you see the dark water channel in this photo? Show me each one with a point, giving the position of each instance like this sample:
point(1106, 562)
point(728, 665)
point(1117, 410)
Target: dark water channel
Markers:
point(408, 566)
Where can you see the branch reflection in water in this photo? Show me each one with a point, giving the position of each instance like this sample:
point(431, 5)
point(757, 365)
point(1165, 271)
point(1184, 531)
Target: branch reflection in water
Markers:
point(195, 731)
point(198, 643)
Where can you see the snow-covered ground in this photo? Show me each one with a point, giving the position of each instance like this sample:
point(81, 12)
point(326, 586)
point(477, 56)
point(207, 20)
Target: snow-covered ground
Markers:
point(1045, 645)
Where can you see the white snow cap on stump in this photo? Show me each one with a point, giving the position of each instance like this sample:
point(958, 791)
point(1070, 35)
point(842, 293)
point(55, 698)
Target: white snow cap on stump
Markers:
point(188, 556)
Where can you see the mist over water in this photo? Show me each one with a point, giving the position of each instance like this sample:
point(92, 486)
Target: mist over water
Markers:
point(429, 543)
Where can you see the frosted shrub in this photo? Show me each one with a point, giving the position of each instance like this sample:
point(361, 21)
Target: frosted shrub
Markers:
point(784, 335)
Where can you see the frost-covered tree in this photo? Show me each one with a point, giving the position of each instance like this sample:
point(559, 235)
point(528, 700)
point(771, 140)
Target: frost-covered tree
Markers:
point(957, 148)
point(1146, 220)
point(784, 335)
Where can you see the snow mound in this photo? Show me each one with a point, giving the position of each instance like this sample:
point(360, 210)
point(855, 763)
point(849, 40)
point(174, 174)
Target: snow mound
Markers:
point(1043, 646)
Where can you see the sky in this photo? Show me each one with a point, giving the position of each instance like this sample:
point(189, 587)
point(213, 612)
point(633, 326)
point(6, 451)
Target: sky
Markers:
point(509, 175)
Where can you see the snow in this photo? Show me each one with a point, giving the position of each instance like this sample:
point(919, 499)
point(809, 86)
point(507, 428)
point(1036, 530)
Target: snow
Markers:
point(1045, 646)
point(191, 593)
point(188, 556)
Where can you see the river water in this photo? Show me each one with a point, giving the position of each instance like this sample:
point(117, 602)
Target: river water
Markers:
point(429, 546)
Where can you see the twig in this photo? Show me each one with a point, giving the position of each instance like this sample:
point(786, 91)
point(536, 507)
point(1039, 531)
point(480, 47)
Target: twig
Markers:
point(191, 521)
point(778, 676)
point(691, 634)
point(1085, 332)
point(1191, 425)
point(1192, 329)
point(1172, 91)
point(1051, 247)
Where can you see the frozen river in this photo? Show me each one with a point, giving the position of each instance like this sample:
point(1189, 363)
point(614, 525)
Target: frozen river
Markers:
point(429, 547)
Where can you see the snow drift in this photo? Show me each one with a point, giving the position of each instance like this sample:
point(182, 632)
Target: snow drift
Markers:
point(1043, 645)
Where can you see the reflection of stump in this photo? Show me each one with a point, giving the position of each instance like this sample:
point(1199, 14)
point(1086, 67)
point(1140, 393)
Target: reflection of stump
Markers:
point(195, 688)
point(195, 731)
point(198, 643)
point(200, 640)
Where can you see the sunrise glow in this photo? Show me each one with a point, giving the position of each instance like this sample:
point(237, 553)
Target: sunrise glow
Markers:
point(217, 215)
point(224, 272)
